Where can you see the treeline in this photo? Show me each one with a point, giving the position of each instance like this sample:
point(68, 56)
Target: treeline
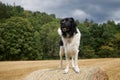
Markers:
point(27, 35)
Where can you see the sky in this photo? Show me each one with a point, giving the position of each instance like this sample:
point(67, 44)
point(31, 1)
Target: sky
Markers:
point(97, 10)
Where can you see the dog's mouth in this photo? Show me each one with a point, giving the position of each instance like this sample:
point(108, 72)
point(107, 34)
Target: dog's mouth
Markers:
point(65, 29)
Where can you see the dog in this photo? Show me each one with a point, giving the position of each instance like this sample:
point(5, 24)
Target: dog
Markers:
point(69, 43)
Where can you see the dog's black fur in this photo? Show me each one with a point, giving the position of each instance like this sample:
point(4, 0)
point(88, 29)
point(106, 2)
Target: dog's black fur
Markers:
point(61, 42)
point(68, 27)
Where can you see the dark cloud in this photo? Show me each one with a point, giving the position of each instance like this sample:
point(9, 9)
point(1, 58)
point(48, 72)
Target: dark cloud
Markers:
point(97, 10)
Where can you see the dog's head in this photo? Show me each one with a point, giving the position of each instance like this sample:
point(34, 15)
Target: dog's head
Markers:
point(68, 26)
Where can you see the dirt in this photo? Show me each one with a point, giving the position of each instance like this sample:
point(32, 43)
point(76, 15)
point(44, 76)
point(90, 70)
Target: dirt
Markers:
point(17, 70)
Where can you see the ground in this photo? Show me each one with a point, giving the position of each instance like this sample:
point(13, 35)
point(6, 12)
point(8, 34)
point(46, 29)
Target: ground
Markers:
point(17, 70)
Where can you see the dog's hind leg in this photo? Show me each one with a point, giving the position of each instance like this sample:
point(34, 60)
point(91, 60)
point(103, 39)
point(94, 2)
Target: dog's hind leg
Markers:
point(67, 63)
point(61, 54)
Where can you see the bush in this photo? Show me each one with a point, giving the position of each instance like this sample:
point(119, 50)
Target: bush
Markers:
point(16, 40)
point(105, 51)
point(88, 52)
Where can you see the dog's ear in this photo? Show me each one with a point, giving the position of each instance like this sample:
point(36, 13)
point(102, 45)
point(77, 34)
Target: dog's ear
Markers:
point(73, 21)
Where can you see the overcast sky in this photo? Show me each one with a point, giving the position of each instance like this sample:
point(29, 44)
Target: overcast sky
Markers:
point(96, 10)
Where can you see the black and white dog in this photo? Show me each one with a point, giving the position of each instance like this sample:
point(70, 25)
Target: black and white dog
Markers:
point(69, 44)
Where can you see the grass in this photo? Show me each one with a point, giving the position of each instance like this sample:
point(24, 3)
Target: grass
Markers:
point(16, 70)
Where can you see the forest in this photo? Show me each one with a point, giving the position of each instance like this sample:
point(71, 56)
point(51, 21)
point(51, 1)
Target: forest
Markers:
point(27, 35)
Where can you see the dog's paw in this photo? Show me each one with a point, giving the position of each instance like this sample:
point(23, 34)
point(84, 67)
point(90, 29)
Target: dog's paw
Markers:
point(77, 70)
point(66, 71)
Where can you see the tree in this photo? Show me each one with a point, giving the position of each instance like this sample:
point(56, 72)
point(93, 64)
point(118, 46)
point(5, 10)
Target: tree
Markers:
point(33, 35)
point(88, 52)
point(49, 40)
point(117, 45)
point(3, 11)
point(105, 51)
point(16, 39)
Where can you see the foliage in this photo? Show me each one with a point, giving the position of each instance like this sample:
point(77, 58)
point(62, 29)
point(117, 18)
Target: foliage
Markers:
point(27, 35)
point(105, 51)
point(88, 52)
point(16, 38)
point(49, 39)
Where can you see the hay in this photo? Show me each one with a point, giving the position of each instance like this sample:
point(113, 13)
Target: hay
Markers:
point(57, 74)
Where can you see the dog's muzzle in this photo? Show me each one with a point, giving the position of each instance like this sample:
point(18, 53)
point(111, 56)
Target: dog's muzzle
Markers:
point(64, 29)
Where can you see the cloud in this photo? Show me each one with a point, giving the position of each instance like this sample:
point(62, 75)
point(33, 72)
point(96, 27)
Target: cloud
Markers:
point(11, 2)
point(80, 14)
point(96, 10)
point(115, 16)
point(35, 5)
point(41, 5)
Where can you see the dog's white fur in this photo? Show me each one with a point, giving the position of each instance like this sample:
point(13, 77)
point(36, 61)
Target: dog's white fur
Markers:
point(71, 49)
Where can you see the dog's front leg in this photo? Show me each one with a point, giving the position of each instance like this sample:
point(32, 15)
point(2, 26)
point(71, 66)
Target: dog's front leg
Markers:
point(67, 63)
point(76, 62)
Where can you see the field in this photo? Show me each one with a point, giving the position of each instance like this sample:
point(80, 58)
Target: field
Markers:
point(17, 70)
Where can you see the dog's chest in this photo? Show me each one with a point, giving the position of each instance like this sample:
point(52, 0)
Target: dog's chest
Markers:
point(69, 45)
point(68, 41)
